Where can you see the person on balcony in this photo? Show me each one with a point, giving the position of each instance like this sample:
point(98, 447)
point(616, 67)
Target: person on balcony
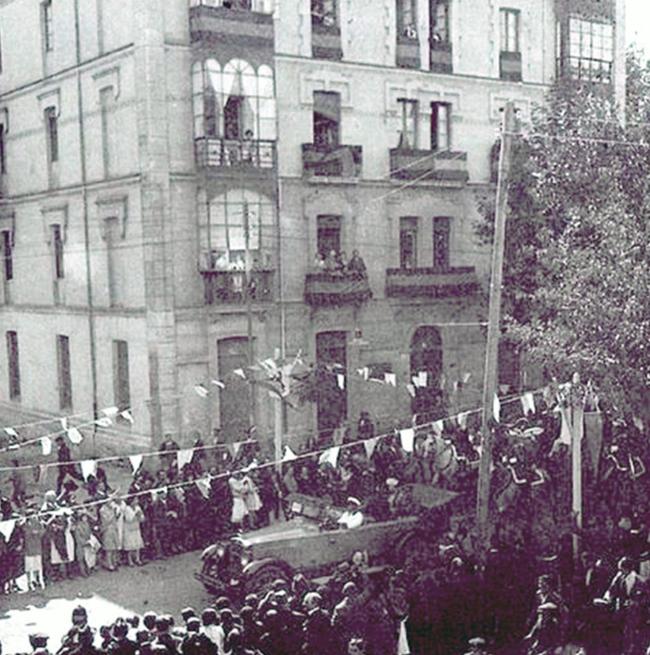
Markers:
point(319, 262)
point(357, 267)
point(331, 263)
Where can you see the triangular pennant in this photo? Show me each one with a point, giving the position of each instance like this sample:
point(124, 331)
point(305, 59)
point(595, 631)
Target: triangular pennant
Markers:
point(11, 432)
point(466, 377)
point(411, 389)
point(496, 408)
point(240, 373)
point(407, 438)
point(340, 378)
point(330, 456)
point(415, 380)
point(218, 383)
point(422, 377)
point(236, 447)
point(75, 436)
point(127, 416)
point(64, 423)
point(201, 391)
point(88, 468)
point(104, 422)
point(46, 445)
point(289, 455)
point(136, 462)
point(438, 427)
point(370, 445)
point(7, 528)
point(184, 457)
point(462, 419)
point(111, 412)
point(203, 485)
point(530, 403)
point(638, 423)
point(364, 372)
point(503, 389)
point(390, 378)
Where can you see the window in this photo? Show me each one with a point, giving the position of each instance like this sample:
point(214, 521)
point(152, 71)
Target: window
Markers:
point(408, 137)
point(121, 388)
point(439, 25)
point(441, 229)
point(407, 19)
point(327, 119)
point(3, 159)
point(509, 30)
point(408, 242)
point(13, 365)
point(57, 246)
point(52, 128)
point(591, 50)
point(328, 235)
point(440, 126)
point(63, 367)
point(48, 30)
point(237, 118)
point(323, 12)
point(107, 108)
point(7, 255)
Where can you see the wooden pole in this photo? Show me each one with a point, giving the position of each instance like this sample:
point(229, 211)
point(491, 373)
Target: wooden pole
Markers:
point(494, 327)
point(249, 308)
point(577, 411)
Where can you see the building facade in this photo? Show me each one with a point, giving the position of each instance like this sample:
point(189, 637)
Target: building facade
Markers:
point(181, 180)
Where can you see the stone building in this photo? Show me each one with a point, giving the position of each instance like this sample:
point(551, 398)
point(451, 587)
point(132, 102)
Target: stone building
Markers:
point(151, 153)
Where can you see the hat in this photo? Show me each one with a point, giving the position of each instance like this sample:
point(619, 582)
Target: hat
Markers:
point(187, 613)
point(279, 585)
point(221, 603)
point(392, 482)
point(120, 629)
point(38, 640)
point(477, 641)
point(353, 501)
point(193, 624)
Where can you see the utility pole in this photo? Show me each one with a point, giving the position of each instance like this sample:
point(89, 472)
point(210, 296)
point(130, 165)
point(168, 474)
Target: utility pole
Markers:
point(494, 328)
point(249, 308)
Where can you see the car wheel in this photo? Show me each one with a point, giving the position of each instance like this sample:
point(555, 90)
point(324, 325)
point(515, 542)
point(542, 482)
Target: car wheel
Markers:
point(265, 576)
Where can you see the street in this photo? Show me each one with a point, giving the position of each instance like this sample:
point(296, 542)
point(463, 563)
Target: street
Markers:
point(163, 586)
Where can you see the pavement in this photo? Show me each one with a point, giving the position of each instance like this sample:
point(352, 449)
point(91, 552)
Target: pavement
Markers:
point(165, 586)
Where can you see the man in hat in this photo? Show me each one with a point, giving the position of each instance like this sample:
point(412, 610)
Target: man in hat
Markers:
point(38, 641)
point(196, 642)
point(353, 516)
point(476, 646)
point(79, 639)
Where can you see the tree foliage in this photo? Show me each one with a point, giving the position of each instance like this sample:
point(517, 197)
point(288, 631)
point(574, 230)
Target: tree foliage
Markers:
point(577, 265)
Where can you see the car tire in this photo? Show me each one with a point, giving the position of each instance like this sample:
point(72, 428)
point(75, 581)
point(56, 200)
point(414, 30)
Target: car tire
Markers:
point(265, 576)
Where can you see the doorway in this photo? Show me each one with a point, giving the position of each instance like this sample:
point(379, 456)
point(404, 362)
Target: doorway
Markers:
point(235, 398)
point(332, 405)
point(426, 356)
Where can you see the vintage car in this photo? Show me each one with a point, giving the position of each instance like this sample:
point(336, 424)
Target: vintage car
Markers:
point(311, 542)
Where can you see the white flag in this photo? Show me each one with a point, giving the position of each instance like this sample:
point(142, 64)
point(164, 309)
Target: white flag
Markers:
point(203, 485)
point(46, 445)
point(240, 373)
point(496, 408)
point(407, 437)
point(289, 455)
point(390, 378)
point(111, 412)
point(64, 423)
point(7, 528)
point(415, 379)
point(422, 377)
point(75, 436)
point(136, 462)
point(370, 445)
point(11, 432)
point(235, 447)
point(218, 383)
point(127, 416)
point(88, 468)
point(184, 457)
point(438, 427)
point(341, 380)
point(104, 422)
point(330, 456)
point(411, 389)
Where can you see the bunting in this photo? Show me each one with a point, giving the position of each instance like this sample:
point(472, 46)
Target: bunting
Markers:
point(75, 436)
point(7, 528)
point(330, 456)
point(240, 372)
point(496, 408)
point(341, 380)
point(390, 378)
point(104, 422)
point(438, 427)
point(411, 389)
point(88, 468)
point(11, 432)
point(127, 416)
point(289, 455)
point(407, 439)
point(370, 445)
point(528, 403)
point(46, 445)
point(184, 457)
point(203, 485)
point(136, 462)
point(218, 383)
point(110, 412)
point(201, 391)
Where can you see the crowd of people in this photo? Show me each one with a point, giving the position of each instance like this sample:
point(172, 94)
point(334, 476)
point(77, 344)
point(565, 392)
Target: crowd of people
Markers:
point(436, 599)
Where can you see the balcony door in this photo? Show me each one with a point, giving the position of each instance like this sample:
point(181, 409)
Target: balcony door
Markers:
point(328, 235)
point(426, 356)
point(408, 242)
point(327, 119)
point(332, 405)
point(235, 399)
point(441, 232)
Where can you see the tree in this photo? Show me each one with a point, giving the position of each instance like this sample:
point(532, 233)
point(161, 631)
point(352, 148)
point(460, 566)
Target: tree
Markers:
point(577, 269)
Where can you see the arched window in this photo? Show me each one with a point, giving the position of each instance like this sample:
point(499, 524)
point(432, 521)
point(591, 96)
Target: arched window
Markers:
point(222, 222)
point(233, 103)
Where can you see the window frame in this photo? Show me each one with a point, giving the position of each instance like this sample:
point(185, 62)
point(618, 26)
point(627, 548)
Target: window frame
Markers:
point(336, 141)
point(583, 47)
point(404, 104)
point(436, 106)
point(408, 225)
point(13, 364)
point(407, 30)
point(436, 8)
point(121, 381)
point(336, 226)
point(58, 251)
point(327, 18)
point(52, 134)
point(7, 255)
point(506, 14)
point(64, 371)
point(436, 232)
point(48, 25)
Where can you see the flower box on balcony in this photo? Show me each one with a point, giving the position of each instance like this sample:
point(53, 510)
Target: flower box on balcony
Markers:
point(510, 66)
point(334, 289)
point(431, 282)
point(427, 165)
point(340, 161)
point(440, 57)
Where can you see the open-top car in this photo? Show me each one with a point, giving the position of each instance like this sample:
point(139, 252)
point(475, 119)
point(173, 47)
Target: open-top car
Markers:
point(311, 541)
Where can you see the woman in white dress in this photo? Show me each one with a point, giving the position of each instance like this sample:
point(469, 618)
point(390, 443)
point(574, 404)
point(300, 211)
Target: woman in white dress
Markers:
point(238, 489)
point(252, 499)
point(132, 535)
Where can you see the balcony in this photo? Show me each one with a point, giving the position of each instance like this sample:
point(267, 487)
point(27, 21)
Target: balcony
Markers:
point(234, 154)
point(325, 41)
point(428, 165)
point(232, 22)
point(229, 287)
point(441, 57)
point(407, 54)
point(431, 282)
point(510, 66)
point(336, 289)
point(340, 161)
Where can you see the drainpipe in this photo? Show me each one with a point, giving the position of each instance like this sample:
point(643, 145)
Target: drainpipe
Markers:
point(84, 193)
